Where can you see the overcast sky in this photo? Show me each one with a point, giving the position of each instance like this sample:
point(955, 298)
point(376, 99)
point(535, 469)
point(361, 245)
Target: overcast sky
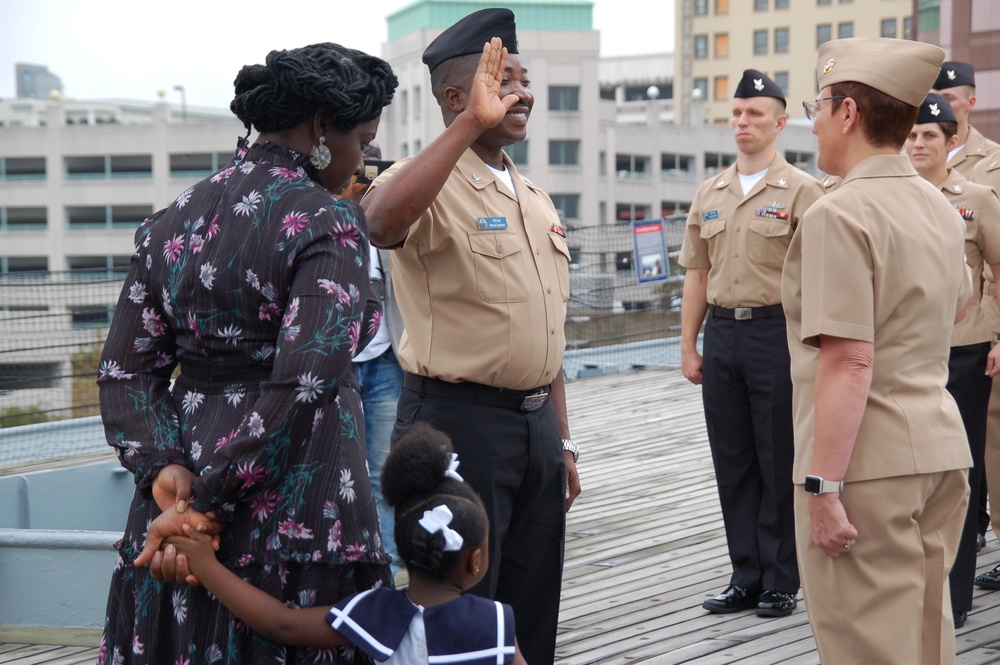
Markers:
point(133, 48)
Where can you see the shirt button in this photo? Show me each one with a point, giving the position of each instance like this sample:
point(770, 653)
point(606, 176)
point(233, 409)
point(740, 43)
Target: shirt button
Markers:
point(737, 228)
point(736, 255)
point(538, 252)
point(549, 290)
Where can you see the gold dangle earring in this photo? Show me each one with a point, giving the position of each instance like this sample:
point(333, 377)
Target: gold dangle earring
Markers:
point(319, 155)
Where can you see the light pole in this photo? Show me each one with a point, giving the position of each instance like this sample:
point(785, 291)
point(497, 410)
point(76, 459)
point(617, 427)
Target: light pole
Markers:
point(184, 112)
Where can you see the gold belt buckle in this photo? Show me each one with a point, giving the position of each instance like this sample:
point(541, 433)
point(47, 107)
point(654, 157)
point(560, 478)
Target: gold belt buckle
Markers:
point(744, 314)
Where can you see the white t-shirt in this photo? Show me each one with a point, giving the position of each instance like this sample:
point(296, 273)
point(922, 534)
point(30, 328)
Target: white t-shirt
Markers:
point(748, 181)
point(382, 340)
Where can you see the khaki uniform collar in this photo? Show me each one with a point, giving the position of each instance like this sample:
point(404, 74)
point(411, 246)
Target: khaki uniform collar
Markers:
point(479, 176)
point(882, 166)
point(954, 183)
point(776, 176)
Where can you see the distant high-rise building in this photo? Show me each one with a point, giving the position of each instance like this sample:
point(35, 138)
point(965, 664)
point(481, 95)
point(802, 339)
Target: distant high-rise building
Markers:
point(36, 81)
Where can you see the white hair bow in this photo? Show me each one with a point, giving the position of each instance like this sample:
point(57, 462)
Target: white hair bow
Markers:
point(438, 520)
point(452, 470)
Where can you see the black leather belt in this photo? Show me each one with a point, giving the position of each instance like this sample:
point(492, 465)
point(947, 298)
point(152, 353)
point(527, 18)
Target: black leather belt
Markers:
point(521, 400)
point(746, 313)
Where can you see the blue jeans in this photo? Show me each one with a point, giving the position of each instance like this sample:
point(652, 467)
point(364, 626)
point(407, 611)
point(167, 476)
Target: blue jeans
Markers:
point(380, 380)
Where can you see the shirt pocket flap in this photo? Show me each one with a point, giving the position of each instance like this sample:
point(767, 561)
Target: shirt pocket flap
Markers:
point(712, 227)
point(770, 228)
point(560, 244)
point(494, 245)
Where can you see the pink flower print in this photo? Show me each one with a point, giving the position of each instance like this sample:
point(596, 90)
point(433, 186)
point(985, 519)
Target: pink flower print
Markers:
point(283, 173)
point(310, 388)
point(346, 233)
point(268, 291)
point(246, 167)
point(295, 530)
point(250, 474)
point(293, 223)
point(152, 322)
point(173, 248)
point(346, 490)
point(192, 322)
point(185, 196)
point(268, 309)
point(291, 313)
point(331, 510)
point(162, 360)
point(263, 506)
point(333, 540)
point(207, 275)
point(197, 243)
point(112, 369)
point(283, 573)
point(355, 551)
point(255, 425)
point(226, 440)
point(167, 306)
point(244, 560)
point(230, 333)
point(354, 335)
point(252, 279)
point(375, 323)
point(317, 419)
point(307, 597)
point(223, 174)
point(354, 292)
point(213, 228)
point(137, 292)
point(248, 204)
point(332, 288)
point(142, 344)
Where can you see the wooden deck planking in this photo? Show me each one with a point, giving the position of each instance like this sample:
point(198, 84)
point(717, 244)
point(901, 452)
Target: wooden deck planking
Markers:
point(645, 546)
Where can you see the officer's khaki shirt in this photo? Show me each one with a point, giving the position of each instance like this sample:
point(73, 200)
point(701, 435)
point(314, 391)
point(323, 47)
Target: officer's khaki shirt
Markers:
point(976, 148)
point(980, 209)
point(882, 260)
point(742, 240)
point(482, 281)
point(987, 172)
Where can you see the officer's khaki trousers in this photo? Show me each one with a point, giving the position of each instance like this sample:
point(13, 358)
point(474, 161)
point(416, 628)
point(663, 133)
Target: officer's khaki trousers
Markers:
point(886, 601)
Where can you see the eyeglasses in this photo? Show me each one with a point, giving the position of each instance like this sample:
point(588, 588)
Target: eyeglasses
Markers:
point(812, 108)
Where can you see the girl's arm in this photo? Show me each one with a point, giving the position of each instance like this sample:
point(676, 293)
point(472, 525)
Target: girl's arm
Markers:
point(518, 658)
point(304, 627)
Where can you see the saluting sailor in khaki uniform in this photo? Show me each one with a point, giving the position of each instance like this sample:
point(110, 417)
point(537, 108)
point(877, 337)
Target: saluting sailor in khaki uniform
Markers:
point(737, 233)
point(481, 270)
point(873, 283)
point(970, 364)
point(957, 82)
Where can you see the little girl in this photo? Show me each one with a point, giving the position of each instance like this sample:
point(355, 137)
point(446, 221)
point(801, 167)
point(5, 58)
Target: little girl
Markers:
point(441, 530)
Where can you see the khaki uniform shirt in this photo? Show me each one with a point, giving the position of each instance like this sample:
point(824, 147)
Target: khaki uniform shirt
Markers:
point(482, 281)
point(742, 240)
point(980, 209)
point(987, 172)
point(975, 149)
point(881, 260)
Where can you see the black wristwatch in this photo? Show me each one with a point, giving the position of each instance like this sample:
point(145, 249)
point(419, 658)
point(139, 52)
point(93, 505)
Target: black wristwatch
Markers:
point(817, 485)
point(569, 445)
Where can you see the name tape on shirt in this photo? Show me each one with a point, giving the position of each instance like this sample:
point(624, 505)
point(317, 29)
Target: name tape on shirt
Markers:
point(710, 215)
point(491, 223)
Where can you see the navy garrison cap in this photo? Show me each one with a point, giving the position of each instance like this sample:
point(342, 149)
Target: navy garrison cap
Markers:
point(755, 84)
point(470, 34)
point(935, 108)
point(955, 73)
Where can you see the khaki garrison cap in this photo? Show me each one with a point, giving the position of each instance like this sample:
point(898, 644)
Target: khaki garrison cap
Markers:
point(900, 68)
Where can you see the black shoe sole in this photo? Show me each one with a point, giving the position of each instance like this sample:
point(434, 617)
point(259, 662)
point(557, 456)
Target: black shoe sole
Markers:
point(988, 585)
point(715, 609)
point(771, 614)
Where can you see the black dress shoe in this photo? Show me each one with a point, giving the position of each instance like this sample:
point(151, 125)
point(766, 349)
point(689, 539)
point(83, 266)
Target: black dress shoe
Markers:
point(776, 604)
point(733, 599)
point(960, 618)
point(990, 580)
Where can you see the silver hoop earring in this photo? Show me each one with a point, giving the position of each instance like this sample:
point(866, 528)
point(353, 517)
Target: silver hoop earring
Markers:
point(319, 155)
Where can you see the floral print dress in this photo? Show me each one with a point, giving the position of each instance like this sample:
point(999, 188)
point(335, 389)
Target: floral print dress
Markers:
point(254, 282)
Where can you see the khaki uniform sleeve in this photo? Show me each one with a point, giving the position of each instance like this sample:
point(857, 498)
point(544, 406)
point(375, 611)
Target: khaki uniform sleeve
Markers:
point(988, 228)
point(694, 250)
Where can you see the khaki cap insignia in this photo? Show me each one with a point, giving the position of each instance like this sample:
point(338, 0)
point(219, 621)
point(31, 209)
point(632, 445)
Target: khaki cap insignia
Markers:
point(830, 64)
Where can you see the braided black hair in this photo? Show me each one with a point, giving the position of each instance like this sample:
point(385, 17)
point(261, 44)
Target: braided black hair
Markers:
point(413, 481)
point(348, 86)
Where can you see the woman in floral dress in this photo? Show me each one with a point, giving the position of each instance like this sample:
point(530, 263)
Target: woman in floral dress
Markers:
point(252, 290)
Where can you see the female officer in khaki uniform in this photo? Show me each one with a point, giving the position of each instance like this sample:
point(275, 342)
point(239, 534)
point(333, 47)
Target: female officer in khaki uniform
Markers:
point(873, 283)
point(969, 365)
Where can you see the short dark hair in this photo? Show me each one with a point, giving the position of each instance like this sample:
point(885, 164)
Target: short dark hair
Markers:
point(885, 120)
point(349, 87)
point(414, 481)
point(458, 70)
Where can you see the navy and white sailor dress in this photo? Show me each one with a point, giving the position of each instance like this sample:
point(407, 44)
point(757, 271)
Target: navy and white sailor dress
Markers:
point(390, 628)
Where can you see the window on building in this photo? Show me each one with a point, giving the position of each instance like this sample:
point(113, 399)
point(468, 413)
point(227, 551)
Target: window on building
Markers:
point(90, 316)
point(845, 30)
point(23, 266)
point(91, 166)
point(129, 216)
point(907, 27)
point(781, 78)
point(781, 4)
point(602, 167)
point(29, 376)
point(668, 208)
point(760, 42)
point(803, 160)
point(564, 98)
point(721, 85)
point(888, 28)
point(89, 267)
point(632, 166)
point(846, 2)
point(23, 219)
point(717, 161)
point(518, 152)
point(193, 164)
point(721, 6)
point(823, 2)
point(564, 153)
point(567, 205)
point(701, 83)
point(760, 5)
point(824, 33)
point(96, 217)
point(722, 45)
point(22, 168)
point(418, 101)
point(626, 212)
point(701, 7)
point(109, 166)
point(404, 104)
point(701, 46)
point(672, 164)
point(130, 166)
point(781, 40)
